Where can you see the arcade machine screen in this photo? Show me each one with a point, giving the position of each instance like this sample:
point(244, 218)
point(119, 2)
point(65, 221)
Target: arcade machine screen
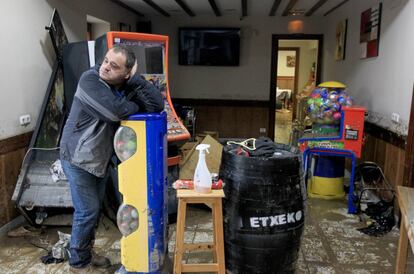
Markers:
point(52, 116)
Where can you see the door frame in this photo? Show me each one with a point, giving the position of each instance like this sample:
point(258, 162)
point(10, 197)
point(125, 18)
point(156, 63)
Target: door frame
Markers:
point(273, 70)
point(408, 176)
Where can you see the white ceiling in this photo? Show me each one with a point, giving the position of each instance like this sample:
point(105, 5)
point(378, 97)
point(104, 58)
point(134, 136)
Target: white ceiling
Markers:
point(227, 7)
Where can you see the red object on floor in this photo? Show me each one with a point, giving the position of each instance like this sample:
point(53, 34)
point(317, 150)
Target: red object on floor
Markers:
point(188, 184)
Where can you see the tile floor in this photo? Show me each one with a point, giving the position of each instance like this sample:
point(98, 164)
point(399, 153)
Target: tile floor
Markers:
point(330, 244)
point(283, 126)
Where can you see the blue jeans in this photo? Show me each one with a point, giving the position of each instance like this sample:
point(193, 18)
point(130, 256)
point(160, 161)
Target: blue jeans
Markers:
point(87, 195)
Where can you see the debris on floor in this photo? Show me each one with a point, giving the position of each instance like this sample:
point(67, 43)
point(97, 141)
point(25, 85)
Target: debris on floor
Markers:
point(25, 230)
point(330, 244)
point(381, 219)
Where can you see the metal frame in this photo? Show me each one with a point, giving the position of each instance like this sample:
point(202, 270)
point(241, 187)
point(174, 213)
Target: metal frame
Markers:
point(387, 187)
point(338, 153)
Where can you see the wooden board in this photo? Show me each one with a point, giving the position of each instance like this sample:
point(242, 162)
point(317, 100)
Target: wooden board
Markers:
point(12, 151)
point(406, 202)
point(232, 121)
point(286, 82)
point(9, 171)
point(183, 193)
point(388, 156)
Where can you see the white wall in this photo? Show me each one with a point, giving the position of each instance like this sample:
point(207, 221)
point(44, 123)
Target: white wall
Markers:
point(98, 26)
point(307, 56)
point(383, 84)
point(250, 80)
point(28, 54)
point(99, 29)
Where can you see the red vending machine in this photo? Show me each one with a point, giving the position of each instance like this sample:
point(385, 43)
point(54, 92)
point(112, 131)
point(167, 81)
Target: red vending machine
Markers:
point(337, 133)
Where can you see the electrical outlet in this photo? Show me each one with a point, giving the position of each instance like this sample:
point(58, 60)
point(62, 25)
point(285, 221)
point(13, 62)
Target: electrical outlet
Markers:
point(395, 117)
point(24, 120)
point(262, 130)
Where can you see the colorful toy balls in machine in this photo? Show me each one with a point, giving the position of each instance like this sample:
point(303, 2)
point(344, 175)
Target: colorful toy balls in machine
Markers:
point(326, 101)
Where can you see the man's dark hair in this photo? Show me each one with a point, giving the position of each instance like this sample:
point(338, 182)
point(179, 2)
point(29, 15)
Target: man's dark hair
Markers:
point(129, 54)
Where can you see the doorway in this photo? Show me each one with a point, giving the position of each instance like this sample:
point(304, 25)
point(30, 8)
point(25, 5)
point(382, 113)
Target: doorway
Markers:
point(295, 70)
point(288, 60)
point(96, 27)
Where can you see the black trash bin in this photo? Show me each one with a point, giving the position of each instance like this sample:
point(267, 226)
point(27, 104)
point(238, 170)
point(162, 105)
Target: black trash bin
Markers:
point(263, 211)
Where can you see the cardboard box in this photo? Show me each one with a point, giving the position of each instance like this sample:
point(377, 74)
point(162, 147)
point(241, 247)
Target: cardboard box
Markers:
point(200, 136)
point(213, 159)
point(186, 149)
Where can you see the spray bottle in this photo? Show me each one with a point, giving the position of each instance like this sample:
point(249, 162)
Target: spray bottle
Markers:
point(202, 177)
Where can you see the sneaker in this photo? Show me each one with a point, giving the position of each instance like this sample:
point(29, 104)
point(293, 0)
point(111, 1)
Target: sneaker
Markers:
point(100, 261)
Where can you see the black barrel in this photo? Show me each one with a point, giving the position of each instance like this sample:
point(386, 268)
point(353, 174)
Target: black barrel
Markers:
point(263, 211)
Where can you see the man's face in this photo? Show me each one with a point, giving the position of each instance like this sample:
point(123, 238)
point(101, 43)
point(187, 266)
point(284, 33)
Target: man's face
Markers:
point(113, 70)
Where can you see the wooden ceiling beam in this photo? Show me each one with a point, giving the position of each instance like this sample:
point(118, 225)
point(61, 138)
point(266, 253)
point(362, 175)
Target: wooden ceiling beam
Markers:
point(289, 6)
point(156, 7)
point(214, 7)
point(244, 8)
point(185, 7)
point(319, 4)
point(334, 8)
point(125, 6)
point(274, 8)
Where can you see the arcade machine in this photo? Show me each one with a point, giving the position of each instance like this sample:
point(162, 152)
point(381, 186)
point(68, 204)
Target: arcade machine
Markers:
point(337, 133)
point(140, 144)
point(45, 199)
point(38, 195)
point(152, 56)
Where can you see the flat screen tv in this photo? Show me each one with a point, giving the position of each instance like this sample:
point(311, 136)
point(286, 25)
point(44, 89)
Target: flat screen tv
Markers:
point(209, 46)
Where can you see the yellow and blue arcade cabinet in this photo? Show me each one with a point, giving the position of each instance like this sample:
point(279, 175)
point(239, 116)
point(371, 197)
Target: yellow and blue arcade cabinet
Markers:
point(142, 175)
point(141, 145)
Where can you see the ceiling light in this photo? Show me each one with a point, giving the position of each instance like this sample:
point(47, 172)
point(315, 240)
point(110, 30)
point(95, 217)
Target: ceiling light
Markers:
point(295, 26)
point(297, 12)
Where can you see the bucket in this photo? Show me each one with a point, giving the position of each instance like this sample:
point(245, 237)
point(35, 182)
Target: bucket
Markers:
point(328, 178)
point(263, 211)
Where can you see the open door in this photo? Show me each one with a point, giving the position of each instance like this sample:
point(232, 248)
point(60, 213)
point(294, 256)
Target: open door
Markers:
point(296, 69)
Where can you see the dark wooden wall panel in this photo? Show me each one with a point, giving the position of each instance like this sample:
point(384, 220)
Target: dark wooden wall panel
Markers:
point(286, 82)
point(388, 156)
point(394, 164)
point(368, 152)
point(12, 151)
point(10, 164)
point(380, 153)
point(232, 121)
point(230, 118)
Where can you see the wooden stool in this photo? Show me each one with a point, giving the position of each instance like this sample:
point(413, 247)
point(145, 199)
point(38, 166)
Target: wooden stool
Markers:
point(213, 200)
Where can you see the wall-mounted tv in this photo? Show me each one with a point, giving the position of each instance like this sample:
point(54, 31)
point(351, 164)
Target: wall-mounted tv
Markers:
point(209, 46)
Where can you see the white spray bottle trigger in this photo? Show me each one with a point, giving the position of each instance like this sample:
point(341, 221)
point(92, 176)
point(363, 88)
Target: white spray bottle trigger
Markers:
point(203, 147)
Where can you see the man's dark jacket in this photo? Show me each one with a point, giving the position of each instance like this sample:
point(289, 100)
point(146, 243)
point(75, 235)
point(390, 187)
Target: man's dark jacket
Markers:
point(97, 108)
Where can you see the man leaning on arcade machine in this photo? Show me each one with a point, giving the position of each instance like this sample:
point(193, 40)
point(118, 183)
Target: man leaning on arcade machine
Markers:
point(105, 94)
